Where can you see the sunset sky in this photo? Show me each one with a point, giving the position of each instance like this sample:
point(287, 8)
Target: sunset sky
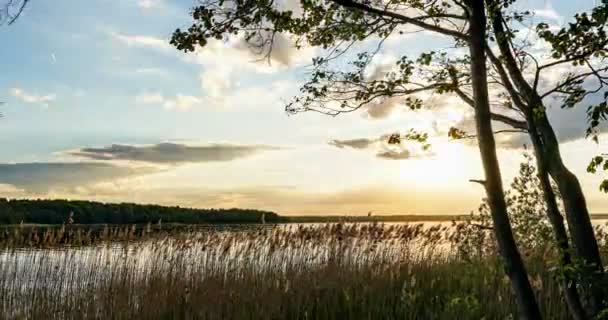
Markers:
point(99, 106)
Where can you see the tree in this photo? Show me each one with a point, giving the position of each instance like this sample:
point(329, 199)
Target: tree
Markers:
point(335, 25)
point(582, 46)
point(534, 226)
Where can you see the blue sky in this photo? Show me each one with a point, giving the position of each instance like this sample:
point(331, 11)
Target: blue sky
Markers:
point(92, 74)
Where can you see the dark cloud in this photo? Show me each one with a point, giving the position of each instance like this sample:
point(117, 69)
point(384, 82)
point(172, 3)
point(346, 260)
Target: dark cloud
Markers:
point(362, 143)
point(41, 176)
point(171, 153)
point(569, 125)
point(382, 148)
point(394, 154)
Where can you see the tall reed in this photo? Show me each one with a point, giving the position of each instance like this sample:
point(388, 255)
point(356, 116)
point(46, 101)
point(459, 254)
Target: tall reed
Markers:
point(326, 271)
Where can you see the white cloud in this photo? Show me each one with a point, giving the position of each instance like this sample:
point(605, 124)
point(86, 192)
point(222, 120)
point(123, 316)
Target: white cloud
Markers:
point(182, 102)
point(20, 94)
point(548, 13)
point(152, 72)
point(222, 64)
point(149, 98)
point(178, 103)
point(141, 41)
point(216, 84)
point(149, 4)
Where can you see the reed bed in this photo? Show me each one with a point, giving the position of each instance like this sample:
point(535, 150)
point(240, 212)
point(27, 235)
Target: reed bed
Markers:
point(328, 271)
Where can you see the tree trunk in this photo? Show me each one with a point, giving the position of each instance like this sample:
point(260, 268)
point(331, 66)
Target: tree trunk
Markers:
point(513, 263)
point(577, 215)
point(571, 295)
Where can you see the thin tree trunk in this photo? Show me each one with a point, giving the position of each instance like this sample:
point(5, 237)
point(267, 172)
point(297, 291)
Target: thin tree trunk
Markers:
point(571, 295)
point(513, 263)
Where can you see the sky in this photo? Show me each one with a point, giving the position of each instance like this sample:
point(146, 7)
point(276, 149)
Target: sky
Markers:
point(99, 106)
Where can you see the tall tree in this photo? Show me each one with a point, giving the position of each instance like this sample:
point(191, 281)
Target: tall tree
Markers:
point(336, 25)
point(514, 265)
point(582, 46)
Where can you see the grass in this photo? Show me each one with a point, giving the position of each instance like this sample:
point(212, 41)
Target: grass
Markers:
point(328, 271)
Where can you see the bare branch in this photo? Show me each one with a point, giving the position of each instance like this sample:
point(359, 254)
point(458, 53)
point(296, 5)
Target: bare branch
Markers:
point(481, 182)
point(518, 124)
point(11, 17)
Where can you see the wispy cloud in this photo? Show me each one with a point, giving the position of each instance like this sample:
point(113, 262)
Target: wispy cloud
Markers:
point(43, 100)
point(44, 176)
point(361, 143)
point(383, 149)
point(172, 153)
point(142, 41)
point(152, 72)
point(178, 103)
point(549, 13)
point(149, 4)
point(149, 98)
point(293, 200)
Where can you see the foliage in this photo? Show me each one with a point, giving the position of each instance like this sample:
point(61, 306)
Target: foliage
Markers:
point(599, 162)
point(527, 212)
point(88, 212)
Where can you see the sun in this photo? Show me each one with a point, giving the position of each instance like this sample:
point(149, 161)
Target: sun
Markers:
point(450, 165)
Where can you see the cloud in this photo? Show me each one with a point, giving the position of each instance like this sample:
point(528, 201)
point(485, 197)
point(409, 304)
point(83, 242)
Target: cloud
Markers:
point(384, 150)
point(294, 200)
point(172, 153)
point(152, 72)
point(149, 4)
point(235, 54)
point(395, 155)
point(182, 102)
point(20, 94)
point(142, 41)
point(223, 65)
point(548, 13)
point(149, 98)
point(179, 103)
point(216, 84)
point(361, 143)
point(44, 176)
point(382, 108)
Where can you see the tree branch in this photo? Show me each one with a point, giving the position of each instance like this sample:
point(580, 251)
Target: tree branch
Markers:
point(403, 18)
point(518, 124)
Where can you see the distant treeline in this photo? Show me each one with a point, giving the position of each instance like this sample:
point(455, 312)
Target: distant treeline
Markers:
point(88, 212)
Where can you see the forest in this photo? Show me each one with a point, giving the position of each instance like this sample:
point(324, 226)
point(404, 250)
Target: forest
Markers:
point(90, 212)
